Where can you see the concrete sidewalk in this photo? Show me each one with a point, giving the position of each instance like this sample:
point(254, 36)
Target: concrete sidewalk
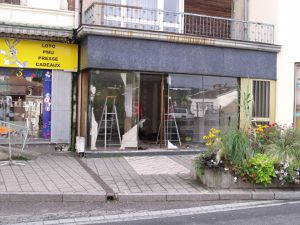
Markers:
point(62, 177)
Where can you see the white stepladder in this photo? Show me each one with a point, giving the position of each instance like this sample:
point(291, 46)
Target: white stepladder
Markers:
point(9, 132)
point(171, 133)
point(105, 127)
point(171, 129)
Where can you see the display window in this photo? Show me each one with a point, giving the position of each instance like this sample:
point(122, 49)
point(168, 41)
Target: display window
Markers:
point(25, 99)
point(149, 111)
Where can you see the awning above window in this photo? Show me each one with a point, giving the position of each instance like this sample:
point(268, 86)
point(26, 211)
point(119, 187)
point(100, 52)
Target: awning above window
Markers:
point(36, 32)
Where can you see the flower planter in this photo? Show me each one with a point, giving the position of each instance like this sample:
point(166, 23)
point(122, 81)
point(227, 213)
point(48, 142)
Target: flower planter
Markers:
point(221, 179)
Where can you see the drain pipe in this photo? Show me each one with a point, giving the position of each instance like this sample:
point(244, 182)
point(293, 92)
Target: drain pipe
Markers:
point(246, 10)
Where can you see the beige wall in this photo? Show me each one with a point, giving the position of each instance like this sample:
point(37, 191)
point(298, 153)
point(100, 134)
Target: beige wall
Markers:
point(285, 16)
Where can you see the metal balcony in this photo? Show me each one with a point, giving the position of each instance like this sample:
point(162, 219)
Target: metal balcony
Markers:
point(139, 18)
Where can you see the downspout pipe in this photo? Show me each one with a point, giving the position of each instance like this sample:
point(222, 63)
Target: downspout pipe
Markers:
point(246, 10)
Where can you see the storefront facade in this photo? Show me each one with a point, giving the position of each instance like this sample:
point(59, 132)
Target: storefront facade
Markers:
point(148, 94)
point(35, 91)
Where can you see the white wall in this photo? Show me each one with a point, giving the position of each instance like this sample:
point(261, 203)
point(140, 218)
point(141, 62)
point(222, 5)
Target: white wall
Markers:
point(289, 38)
point(61, 106)
point(40, 12)
point(285, 16)
point(52, 4)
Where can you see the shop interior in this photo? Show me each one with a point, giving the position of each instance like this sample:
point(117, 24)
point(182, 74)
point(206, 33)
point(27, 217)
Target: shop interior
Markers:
point(141, 111)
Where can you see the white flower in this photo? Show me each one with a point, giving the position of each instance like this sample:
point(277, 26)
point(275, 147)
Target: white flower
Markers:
point(280, 178)
point(235, 179)
point(282, 171)
point(285, 174)
point(211, 160)
point(226, 169)
point(276, 172)
point(286, 165)
point(298, 173)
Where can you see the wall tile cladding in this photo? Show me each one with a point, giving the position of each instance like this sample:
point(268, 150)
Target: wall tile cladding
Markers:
point(156, 56)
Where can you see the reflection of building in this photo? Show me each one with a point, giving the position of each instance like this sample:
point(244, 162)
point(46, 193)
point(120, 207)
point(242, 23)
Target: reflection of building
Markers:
point(223, 99)
point(36, 65)
point(176, 54)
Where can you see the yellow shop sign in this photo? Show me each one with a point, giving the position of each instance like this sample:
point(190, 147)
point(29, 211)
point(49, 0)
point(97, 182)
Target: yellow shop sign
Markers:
point(38, 54)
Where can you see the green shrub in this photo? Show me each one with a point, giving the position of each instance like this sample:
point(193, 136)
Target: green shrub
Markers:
point(235, 147)
point(259, 169)
point(286, 147)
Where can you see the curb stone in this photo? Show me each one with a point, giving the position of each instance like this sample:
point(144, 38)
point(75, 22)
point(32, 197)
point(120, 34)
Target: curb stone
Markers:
point(84, 197)
point(4, 197)
point(235, 195)
point(51, 197)
point(193, 196)
point(152, 197)
point(35, 197)
point(102, 154)
point(141, 197)
point(287, 195)
point(263, 195)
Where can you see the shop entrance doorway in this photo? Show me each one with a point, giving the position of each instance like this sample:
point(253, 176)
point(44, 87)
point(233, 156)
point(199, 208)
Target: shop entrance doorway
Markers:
point(153, 99)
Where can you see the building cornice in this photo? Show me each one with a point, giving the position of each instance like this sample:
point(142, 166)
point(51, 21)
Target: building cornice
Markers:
point(85, 30)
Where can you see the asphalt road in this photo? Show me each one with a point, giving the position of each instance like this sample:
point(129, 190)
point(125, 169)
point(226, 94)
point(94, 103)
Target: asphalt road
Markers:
point(288, 214)
point(28, 212)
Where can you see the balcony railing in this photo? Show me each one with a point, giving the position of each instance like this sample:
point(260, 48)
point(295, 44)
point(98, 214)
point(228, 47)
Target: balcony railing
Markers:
point(134, 17)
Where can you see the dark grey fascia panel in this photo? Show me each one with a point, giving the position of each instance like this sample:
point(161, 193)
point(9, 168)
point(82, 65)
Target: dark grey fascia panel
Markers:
point(105, 52)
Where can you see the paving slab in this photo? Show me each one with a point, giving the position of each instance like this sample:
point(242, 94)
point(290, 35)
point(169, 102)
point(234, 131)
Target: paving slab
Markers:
point(48, 178)
point(64, 178)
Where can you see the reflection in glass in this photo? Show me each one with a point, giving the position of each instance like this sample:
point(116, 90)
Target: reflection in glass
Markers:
point(202, 102)
point(172, 8)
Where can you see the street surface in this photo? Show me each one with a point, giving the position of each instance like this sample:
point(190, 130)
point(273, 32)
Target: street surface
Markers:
point(285, 214)
point(11, 213)
point(155, 213)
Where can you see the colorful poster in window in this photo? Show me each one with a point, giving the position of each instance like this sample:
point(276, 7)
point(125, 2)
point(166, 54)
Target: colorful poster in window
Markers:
point(47, 83)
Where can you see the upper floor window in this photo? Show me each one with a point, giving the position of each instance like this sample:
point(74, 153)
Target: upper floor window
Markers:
point(15, 2)
point(172, 8)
